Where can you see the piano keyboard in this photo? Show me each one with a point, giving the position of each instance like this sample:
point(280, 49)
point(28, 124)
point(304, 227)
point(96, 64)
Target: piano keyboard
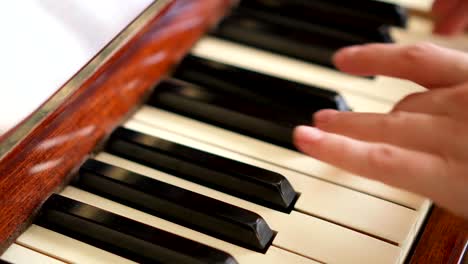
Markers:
point(293, 209)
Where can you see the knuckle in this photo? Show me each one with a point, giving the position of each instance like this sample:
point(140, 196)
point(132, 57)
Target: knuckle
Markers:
point(380, 157)
point(385, 124)
point(418, 52)
point(393, 121)
point(398, 116)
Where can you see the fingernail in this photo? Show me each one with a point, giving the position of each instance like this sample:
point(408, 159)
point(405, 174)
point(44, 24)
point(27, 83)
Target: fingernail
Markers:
point(306, 134)
point(345, 53)
point(349, 51)
point(324, 116)
point(352, 49)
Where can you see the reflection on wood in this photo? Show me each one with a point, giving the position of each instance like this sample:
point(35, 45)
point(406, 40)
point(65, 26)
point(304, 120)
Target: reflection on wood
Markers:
point(442, 240)
point(31, 172)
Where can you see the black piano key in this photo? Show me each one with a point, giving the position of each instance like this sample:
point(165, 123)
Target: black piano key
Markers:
point(4, 262)
point(253, 109)
point(314, 44)
point(357, 14)
point(257, 119)
point(122, 236)
point(258, 87)
point(204, 214)
point(359, 31)
point(239, 179)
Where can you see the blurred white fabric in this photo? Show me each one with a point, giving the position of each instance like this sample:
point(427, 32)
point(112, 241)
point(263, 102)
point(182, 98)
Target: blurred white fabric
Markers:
point(45, 42)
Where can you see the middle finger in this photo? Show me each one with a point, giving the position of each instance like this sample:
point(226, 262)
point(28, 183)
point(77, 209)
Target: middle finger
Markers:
point(415, 131)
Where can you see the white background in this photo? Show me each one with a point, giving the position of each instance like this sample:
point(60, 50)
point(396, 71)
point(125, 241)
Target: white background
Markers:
point(44, 42)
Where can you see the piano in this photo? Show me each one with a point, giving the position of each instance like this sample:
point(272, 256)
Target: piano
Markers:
point(136, 160)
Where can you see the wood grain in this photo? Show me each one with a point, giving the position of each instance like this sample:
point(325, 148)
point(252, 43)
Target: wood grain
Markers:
point(41, 163)
point(442, 240)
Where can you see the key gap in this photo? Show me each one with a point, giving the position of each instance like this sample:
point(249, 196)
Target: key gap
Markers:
point(43, 252)
point(299, 254)
point(271, 163)
point(348, 227)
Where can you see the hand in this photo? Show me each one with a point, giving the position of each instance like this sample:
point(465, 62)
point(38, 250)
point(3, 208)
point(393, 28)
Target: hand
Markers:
point(451, 16)
point(422, 144)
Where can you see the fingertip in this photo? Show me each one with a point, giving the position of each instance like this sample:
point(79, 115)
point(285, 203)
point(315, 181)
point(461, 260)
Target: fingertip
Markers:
point(324, 117)
point(305, 137)
point(343, 57)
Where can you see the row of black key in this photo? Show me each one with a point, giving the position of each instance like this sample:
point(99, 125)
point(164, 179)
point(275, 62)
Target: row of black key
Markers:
point(311, 30)
point(229, 87)
point(230, 176)
point(146, 244)
point(358, 14)
point(195, 211)
point(122, 236)
point(247, 102)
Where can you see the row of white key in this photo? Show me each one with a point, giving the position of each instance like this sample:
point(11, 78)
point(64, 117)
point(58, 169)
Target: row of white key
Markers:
point(18, 254)
point(269, 153)
point(397, 224)
point(312, 237)
point(319, 198)
point(299, 233)
point(74, 251)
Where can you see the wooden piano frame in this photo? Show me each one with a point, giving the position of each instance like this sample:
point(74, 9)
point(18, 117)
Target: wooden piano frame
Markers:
point(43, 161)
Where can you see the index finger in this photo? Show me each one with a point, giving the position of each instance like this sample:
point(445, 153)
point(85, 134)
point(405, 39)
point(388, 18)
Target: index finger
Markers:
point(426, 64)
point(441, 8)
point(412, 170)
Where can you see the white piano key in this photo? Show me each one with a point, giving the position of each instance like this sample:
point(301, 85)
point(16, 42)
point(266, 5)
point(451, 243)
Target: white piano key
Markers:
point(65, 248)
point(272, 154)
point(18, 254)
point(242, 255)
point(300, 71)
point(297, 232)
point(319, 198)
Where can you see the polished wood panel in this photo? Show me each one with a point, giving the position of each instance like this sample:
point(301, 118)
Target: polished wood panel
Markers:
point(443, 239)
point(40, 164)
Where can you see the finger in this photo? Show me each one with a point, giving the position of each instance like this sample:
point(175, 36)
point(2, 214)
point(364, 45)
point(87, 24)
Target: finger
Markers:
point(404, 129)
point(454, 21)
point(441, 8)
point(412, 170)
point(426, 64)
point(448, 102)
